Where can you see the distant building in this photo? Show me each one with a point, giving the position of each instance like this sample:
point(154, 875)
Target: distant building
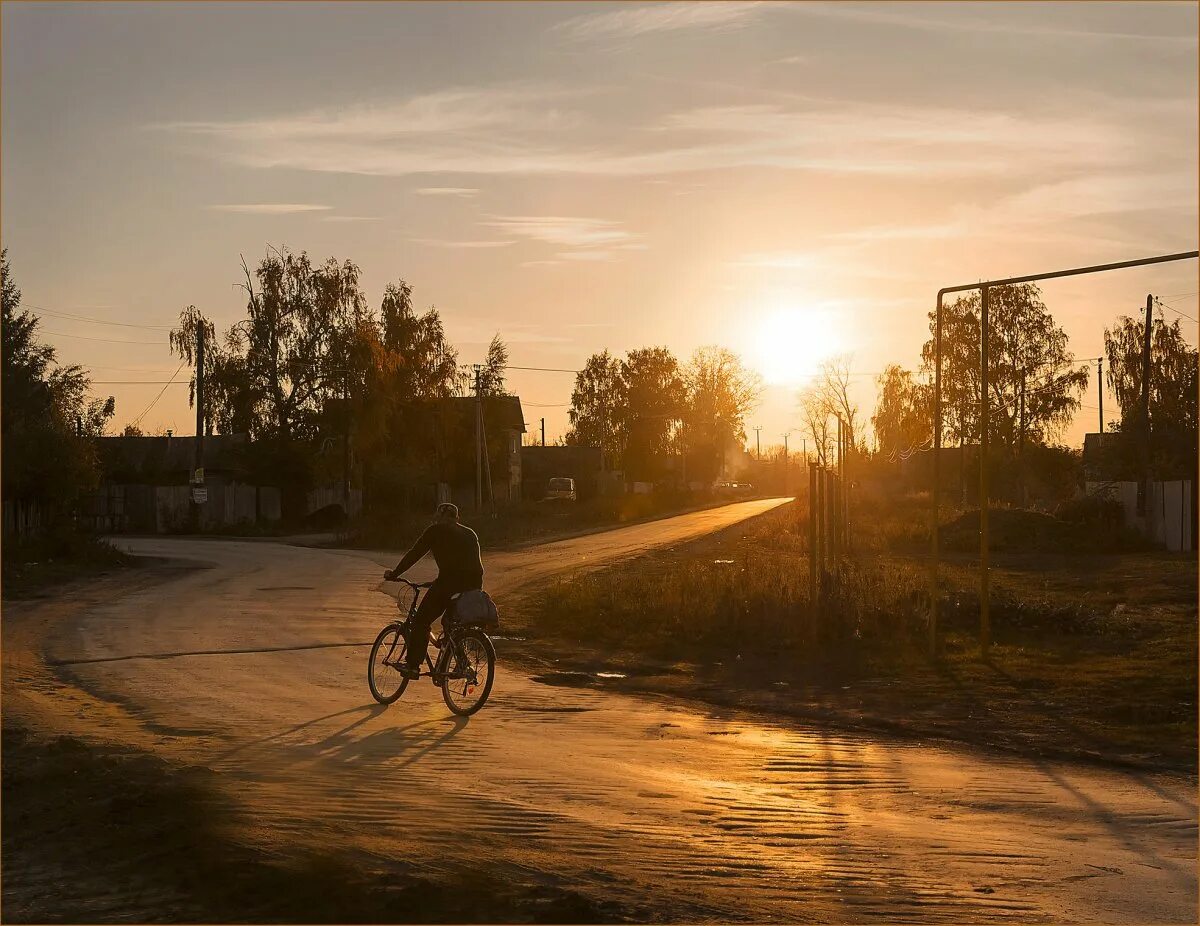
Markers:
point(450, 467)
point(146, 485)
point(1102, 457)
point(586, 465)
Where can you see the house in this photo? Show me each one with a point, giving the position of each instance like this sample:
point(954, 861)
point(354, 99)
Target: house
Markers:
point(586, 465)
point(450, 467)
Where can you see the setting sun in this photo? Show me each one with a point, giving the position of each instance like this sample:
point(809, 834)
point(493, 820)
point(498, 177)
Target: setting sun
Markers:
point(790, 344)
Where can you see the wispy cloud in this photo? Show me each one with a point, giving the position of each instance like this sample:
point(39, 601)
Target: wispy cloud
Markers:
point(971, 20)
point(481, 332)
point(900, 232)
point(446, 191)
point(588, 255)
point(349, 218)
point(573, 232)
point(453, 243)
point(528, 132)
point(659, 17)
point(268, 208)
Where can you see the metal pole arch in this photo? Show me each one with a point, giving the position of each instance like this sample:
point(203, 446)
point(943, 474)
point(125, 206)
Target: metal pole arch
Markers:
point(937, 402)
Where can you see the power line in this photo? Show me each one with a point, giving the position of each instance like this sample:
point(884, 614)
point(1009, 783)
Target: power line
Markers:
point(135, 382)
point(95, 321)
point(82, 337)
point(96, 366)
point(544, 369)
point(138, 419)
point(1164, 305)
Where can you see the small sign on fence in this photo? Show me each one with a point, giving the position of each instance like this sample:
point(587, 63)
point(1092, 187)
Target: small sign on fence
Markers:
point(200, 494)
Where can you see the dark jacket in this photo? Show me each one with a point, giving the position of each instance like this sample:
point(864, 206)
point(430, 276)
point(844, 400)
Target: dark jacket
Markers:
point(455, 549)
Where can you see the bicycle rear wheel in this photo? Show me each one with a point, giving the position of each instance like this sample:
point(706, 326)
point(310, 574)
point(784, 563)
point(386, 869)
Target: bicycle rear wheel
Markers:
point(469, 675)
point(383, 671)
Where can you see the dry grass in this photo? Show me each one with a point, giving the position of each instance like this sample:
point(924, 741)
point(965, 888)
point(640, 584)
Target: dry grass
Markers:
point(1094, 654)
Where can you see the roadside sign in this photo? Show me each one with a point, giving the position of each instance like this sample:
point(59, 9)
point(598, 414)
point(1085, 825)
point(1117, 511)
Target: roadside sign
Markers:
point(200, 495)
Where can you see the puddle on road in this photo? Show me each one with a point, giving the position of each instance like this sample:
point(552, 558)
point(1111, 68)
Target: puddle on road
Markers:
point(571, 679)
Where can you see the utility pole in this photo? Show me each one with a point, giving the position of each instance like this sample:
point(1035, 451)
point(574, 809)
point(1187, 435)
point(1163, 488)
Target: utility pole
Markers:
point(198, 460)
point(1021, 445)
point(478, 443)
point(346, 444)
point(543, 432)
point(1144, 487)
point(985, 617)
point(786, 479)
point(1100, 393)
point(812, 536)
point(758, 443)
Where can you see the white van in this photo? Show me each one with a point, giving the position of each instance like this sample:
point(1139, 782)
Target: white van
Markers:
point(561, 487)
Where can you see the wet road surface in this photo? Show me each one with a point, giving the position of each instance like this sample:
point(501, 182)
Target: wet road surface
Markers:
point(254, 667)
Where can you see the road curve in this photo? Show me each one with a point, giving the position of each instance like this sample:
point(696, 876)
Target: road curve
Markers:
point(254, 667)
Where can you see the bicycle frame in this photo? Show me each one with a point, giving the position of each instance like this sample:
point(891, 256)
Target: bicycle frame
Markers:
point(436, 671)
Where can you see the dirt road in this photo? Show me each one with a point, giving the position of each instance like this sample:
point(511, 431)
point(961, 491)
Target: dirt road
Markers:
point(254, 667)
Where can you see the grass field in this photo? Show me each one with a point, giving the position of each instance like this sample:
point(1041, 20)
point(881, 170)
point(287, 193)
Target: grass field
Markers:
point(1093, 654)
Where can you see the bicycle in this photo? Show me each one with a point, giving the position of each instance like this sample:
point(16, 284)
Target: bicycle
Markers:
point(465, 686)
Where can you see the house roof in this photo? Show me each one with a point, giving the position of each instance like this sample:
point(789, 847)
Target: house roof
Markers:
point(146, 455)
point(504, 408)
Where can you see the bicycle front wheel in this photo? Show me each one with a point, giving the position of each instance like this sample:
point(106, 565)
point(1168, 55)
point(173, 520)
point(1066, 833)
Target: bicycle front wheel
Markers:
point(383, 671)
point(468, 679)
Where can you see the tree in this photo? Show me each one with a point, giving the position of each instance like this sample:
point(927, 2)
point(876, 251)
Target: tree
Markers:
point(47, 414)
point(491, 372)
point(408, 363)
point(720, 392)
point(901, 421)
point(1034, 384)
point(833, 386)
point(1173, 391)
point(654, 404)
point(824, 401)
point(292, 367)
point(814, 408)
point(597, 414)
point(420, 361)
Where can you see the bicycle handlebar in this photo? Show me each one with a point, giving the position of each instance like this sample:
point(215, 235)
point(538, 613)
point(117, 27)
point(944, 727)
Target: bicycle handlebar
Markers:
point(413, 585)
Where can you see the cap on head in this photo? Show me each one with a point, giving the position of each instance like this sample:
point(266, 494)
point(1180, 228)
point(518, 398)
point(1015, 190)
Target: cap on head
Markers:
point(447, 510)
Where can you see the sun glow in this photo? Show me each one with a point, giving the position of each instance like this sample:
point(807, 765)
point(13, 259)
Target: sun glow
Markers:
point(790, 344)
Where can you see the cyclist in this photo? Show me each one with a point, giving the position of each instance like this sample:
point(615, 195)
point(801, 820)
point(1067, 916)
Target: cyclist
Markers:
point(455, 549)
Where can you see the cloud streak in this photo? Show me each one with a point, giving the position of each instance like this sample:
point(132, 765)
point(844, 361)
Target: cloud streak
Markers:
point(630, 22)
point(878, 14)
point(527, 132)
point(453, 243)
point(268, 208)
point(463, 192)
point(573, 232)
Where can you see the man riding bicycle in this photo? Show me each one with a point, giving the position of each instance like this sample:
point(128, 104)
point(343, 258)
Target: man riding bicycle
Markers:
point(455, 549)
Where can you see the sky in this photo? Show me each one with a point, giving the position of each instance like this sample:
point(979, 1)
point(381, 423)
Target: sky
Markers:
point(792, 181)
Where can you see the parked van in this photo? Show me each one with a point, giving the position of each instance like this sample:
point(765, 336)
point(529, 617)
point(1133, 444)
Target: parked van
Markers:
point(561, 488)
